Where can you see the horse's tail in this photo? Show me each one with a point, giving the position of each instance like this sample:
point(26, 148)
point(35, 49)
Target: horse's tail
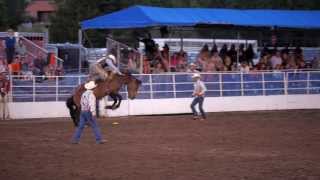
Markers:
point(73, 110)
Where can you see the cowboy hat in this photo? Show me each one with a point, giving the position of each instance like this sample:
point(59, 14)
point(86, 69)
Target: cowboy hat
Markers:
point(90, 85)
point(196, 75)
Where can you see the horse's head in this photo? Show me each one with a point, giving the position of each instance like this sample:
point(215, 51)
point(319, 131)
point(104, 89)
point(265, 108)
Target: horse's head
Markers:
point(133, 85)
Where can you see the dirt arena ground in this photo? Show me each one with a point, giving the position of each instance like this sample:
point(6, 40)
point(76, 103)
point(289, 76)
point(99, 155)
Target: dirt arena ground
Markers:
point(239, 145)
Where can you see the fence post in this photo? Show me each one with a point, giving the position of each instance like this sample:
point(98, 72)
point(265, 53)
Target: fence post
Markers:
point(57, 88)
point(241, 83)
point(263, 84)
point(174, 85)
point(308, 82)
point(285, 82)
point(151, 88)
point(34, 88)
point(220, 84)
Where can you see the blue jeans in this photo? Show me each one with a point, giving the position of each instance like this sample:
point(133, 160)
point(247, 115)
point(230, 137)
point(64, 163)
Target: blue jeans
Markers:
point(198, 100)
point(86, 117)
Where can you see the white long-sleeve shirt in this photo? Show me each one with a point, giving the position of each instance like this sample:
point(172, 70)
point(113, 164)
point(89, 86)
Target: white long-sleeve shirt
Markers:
point(199, 88)
point(110, 64)
point(88, 102)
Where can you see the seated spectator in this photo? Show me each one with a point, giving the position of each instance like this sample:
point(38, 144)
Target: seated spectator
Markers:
point(182, 61)
point(146, 66)
point(227, 64)
point(209, 66)
point(158, 69)
point(203, 56)
point(15, 66)
point(3, 67)
point(174, 62)
point(217, 61)
point(132, 63)
point(285, 58)
point(21, 49)
point(291, 63)
point(244, 67)
point(192, 68)
point(59, 70)
point(39, 67)
point(276, 59)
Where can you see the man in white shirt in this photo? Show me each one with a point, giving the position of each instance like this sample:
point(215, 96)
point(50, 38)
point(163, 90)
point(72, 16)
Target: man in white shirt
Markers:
point(88, 113)
point(198, 94)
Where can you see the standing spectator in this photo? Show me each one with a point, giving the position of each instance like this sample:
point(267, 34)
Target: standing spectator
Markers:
point(174, 62)
point(276, 59)
point(227, 64)
point(182, 61)
point(249, 54)
point(88, 113)
point(241, 55)
point(232, 53)
point(4, 89)
point(198, 94)
point(150, 46)
point(9, 44)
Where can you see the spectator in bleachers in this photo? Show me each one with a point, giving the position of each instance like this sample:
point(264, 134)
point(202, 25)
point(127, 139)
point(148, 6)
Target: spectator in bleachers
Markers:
point(192, 68)
point(217, 61)
point(38, 67)
point(15, 66)
point(158, 69)
point(21, 49)
point(182, 62)
point(174, 62)
point(9, 44)
point(132, 62)
point(241, 52)
point(59, 70)
point(214, 49)
point(3, 67)
point(245, 68)
point(150, 46)
point(249, 55)
point(264, 63)
point(204, 56)
point(227, 64)
point(223, 51)
point(146, 65)
point(291, 63)
point(232, 53)
point(276, 59)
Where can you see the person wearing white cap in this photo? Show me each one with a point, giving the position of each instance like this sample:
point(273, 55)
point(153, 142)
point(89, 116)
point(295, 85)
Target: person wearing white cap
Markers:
point(97, 70)
point(198, 94)
point(88, 113)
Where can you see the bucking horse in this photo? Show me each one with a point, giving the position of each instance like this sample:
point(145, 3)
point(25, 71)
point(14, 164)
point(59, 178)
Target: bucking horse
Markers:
point(104, 88)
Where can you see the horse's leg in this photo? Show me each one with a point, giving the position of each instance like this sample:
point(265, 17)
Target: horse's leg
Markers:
point(73, 110)
point(114, 98)
point(119, 102)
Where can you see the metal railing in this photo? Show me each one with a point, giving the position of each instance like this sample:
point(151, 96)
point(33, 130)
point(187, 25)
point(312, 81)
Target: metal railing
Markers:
point(158, 86)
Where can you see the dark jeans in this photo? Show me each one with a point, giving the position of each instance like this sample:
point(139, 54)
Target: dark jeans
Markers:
point(198, 100)
point(9, 54)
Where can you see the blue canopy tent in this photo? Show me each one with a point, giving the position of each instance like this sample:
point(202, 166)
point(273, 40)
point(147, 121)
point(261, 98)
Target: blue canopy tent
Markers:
point(146, 16)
